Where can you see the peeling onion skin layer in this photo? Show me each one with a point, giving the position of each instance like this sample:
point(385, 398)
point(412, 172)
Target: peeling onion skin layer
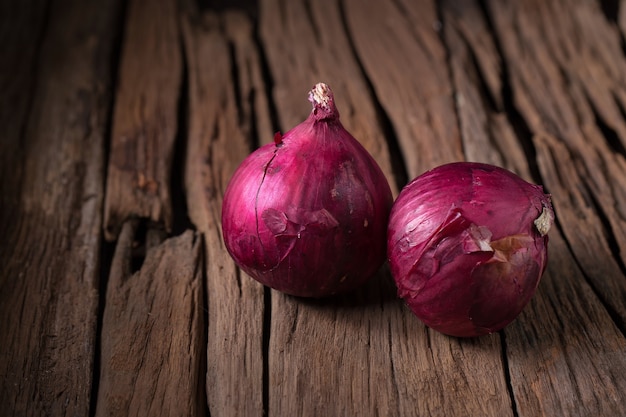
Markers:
point(467, 245)
point(307, 215)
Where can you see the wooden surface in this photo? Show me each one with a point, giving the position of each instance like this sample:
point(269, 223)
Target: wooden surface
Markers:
point(122, 123)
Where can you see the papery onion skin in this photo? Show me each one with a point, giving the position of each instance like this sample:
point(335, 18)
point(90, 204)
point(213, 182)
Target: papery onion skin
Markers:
point(467, 246)
point(307, 215)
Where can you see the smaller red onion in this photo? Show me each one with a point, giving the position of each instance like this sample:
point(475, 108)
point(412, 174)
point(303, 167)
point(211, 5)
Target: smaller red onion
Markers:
point(307, 214)
point(467, 246)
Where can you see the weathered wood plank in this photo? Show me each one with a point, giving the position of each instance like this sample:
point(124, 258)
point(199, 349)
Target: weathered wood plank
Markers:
point(399, 46)
point(564, 353)
point(552, 95)
point(220, 129)
point(569, 92)
point(550, 108)
point(153, 342)
point(49, 266)
point(145, 118)
point(486, 133)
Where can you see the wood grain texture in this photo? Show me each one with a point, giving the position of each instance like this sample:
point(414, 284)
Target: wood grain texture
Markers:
point(219, 129)
point(405, 60)
point(153, 342)
point(145, 118)
point(50, 261)
point(537, 87)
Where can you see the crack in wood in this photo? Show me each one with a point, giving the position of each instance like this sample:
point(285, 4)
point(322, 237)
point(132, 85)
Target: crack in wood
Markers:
point(514, 117)
point(266, 340)
point(180, 216)
point(507, 373)
point(308, 12)
point(398, 164)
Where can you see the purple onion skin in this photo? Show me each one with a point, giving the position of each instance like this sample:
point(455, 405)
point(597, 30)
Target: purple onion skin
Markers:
point(464, 249)
point(307, 215)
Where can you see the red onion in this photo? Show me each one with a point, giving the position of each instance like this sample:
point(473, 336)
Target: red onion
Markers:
point(307, 215)
point(467, 245)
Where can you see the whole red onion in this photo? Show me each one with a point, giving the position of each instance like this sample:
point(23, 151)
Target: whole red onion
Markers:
point(307, 215)
point(467, 245)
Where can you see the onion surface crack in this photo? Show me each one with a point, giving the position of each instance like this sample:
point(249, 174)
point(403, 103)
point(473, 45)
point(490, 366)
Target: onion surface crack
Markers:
point(256, 199)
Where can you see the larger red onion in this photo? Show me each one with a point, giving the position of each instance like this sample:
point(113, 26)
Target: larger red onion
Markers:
point(467, 245)
point(307, 215)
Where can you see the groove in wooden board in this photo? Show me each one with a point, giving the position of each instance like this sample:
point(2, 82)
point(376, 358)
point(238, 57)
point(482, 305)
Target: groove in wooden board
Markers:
point(49, 276)
point(487, 133)
point(145, 117)
point(621, 20)
point(468, 21)
point(254, 106)
point(404, 59)
point(217, 144)
point(470, 103)
point(153, 330)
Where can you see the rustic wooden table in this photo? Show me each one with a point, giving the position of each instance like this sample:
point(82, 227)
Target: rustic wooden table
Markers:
point(122, 123)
